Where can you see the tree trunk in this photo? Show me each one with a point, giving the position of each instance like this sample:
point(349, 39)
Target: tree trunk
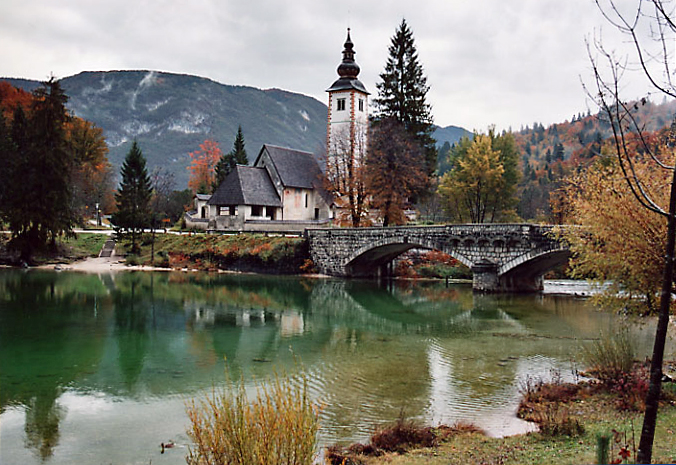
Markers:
point(645, 447)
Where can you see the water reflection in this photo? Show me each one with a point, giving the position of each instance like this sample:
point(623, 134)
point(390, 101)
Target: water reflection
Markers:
point(140, 343)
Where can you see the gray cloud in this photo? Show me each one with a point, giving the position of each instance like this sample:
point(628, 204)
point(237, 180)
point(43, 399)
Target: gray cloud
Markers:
point(507, 63)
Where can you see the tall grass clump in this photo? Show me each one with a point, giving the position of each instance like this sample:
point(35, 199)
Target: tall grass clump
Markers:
point(279, 426)
point(611, 357)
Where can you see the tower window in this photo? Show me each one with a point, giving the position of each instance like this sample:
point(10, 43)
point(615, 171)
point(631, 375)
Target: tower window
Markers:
point(361, 104)
point(341, 104)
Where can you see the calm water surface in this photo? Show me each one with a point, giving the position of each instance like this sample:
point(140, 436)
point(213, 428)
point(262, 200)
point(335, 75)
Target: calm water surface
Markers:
point(97, 368)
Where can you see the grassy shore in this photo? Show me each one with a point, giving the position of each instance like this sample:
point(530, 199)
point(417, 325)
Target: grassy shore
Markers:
point(237, 252)
point(83, 245)
point(584, 413)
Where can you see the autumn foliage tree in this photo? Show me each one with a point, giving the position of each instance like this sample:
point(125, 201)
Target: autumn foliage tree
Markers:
point(395, 170)
point(652, 56)
point(620, 244)
point(203, 167)
point(481, 184)
point(92, 176)
point(89, 177)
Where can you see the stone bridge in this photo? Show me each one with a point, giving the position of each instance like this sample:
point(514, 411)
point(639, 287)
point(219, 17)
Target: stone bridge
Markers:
point(502, 257)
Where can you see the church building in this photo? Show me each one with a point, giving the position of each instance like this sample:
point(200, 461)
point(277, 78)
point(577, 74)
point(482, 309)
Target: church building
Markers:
point(284, 188)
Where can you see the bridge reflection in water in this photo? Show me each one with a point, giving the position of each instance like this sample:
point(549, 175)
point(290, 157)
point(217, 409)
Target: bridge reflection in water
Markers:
point(502, 257)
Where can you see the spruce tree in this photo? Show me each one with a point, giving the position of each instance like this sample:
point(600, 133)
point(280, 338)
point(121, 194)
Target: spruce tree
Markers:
point(52, 161)
point(37, 194)
point(7, 157)
point(227, 163)
point(133, 198)
point(402, 93)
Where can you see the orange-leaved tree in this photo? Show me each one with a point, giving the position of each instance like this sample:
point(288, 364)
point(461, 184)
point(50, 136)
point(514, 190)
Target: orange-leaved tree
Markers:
point(619, 243)
point(395, 170)
point(203, 167)
point(91, 175)
point(653, 59)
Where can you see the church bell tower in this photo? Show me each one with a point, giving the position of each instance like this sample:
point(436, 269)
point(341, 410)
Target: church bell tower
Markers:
point(347, 129)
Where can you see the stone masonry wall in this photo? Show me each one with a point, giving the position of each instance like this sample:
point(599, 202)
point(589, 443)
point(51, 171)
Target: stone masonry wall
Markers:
point(504, 245)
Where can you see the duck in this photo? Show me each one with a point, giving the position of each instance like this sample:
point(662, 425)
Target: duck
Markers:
point(168, 445)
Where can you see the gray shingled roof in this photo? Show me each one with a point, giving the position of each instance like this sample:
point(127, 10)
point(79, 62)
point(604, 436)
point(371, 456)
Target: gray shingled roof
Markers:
point(347, 84)
point(295, 168)
point(246, 185)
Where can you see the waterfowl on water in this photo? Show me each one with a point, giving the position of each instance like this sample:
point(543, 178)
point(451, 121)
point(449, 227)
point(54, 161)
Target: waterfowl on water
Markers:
point(168, 445)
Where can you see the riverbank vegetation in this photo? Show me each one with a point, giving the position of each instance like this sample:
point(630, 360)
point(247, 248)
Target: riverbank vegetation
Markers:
point(237, 252)
point(66, 250)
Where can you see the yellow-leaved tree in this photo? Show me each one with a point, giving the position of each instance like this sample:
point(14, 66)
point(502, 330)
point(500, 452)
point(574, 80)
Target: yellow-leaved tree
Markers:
point(471, 189)
point(618, 243)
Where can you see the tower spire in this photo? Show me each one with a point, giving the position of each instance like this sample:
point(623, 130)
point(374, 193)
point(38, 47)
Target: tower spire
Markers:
point(348, 68)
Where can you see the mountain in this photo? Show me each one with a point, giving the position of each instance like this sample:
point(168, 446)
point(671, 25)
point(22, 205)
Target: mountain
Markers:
point(450, 134)
point(171, 114)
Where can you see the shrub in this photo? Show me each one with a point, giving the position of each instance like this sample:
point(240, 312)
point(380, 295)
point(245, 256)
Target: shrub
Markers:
point(132, 260)
point(402, 435)
point(554, 420)
point(399, 437)
point(611, 357)
point(632, 388)
point(278, 426)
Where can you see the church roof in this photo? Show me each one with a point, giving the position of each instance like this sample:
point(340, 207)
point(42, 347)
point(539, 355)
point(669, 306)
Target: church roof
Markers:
point(246, 185)
point(348, 70)
point(294, 167)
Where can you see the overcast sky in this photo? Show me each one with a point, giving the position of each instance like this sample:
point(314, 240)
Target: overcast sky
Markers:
point(488, 62)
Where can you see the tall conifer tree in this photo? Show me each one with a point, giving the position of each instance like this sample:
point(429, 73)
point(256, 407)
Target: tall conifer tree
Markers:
point(227, 163)
point(133, 198)
point(402, 93)
point(37, 204)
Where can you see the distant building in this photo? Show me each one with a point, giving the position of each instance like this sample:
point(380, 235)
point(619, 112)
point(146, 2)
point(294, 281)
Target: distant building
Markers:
point(282, 191)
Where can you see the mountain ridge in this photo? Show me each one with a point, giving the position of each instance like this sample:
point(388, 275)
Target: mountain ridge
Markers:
point(170, 114)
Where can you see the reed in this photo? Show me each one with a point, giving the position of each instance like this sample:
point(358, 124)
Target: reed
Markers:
point(279, 426)
point(611, 357)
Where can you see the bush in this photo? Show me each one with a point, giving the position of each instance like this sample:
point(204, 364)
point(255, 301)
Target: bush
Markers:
point(132, 260)
point(611, 357)
point(279, 426)
point(399, 437)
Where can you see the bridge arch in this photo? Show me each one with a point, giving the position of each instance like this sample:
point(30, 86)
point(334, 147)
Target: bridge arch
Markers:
point(364, 260)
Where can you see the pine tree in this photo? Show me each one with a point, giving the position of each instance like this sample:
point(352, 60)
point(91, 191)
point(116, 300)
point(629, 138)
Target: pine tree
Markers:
point(237, 156)
point(402, 93)
point(133, 198)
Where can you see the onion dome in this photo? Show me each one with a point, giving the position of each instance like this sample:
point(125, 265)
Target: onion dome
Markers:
point(348, 70)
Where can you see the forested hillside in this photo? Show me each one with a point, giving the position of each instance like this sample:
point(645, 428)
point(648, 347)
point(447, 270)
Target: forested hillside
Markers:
point(549, 154)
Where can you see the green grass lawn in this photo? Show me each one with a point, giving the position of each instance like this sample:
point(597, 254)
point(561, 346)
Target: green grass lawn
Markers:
point(84, 245)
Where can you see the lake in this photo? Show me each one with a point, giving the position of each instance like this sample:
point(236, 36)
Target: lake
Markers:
point(97, 368)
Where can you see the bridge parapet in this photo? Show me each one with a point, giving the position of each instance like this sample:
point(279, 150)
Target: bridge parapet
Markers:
point(503, 257)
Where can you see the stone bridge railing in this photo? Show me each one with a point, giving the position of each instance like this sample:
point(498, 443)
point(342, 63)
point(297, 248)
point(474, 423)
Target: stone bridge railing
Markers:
point(502, 257)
